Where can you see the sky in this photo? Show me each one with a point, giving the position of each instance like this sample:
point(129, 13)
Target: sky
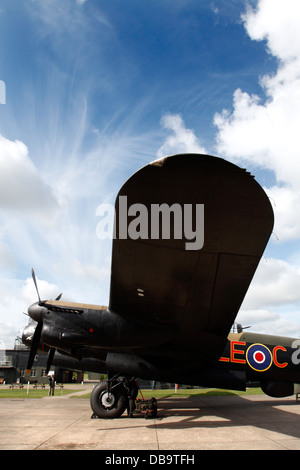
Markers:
point(90, 91)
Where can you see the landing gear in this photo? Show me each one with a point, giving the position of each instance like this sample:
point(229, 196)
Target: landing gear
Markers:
point(108, 401)
point(110, 398)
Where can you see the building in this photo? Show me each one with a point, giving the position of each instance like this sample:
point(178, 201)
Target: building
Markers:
point(13, 365)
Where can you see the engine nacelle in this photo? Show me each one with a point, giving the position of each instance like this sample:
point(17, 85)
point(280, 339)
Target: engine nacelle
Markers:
point(27, 337)
point(278, 389)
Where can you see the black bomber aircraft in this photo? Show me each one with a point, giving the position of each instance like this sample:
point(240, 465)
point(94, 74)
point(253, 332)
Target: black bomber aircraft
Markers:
point(175, 290)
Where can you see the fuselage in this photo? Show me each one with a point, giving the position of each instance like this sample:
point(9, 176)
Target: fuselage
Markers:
point(93, 338)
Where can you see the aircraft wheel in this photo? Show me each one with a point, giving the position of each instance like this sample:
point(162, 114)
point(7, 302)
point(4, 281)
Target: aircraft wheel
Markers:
point(108, 404)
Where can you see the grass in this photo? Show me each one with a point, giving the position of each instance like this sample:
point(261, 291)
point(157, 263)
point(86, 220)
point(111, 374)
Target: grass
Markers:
point(187, 393)
point(164, 393)
point(33, 393)
point(198, 392)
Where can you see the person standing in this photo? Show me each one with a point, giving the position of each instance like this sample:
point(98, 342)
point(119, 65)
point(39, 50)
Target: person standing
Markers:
point(52, 385)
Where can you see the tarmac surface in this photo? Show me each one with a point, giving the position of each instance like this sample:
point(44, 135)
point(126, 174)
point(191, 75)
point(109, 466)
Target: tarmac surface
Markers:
point(254, 422)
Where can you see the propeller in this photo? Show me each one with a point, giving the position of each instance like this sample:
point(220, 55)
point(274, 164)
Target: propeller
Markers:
point(240, 328)
point(34, 345)
point(35, 283)
point(37, 290)
point(50, 359)
point(38, 333)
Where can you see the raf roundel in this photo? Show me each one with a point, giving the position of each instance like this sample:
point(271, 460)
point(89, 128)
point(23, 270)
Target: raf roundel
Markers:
point(259, 357)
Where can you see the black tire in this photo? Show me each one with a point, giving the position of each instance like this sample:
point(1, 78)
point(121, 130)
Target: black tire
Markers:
point(108, 405)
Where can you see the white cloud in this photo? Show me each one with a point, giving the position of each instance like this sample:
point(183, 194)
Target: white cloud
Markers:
point(268, 322)
point(265, 133)
point(9, 331)
point(21, 187)
point(276, 283)
point(278, 23)
point(256, 316)
point(64, 21)
point(6, 256)
point(182, 140)
point(285, 202)
point(15, 298)
point(91, 272)
point(28, 294)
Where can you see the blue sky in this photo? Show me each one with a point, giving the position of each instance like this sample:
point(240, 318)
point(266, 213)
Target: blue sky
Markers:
point(95, 90)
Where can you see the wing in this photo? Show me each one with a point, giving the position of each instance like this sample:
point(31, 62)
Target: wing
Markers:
point(159, 281)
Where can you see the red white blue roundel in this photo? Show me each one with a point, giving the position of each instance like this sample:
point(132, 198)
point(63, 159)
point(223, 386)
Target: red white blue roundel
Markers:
point(259, 357)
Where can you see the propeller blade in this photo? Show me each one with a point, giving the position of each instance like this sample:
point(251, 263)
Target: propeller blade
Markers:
point(35, 283)
point(34, 345)
point(50, 359)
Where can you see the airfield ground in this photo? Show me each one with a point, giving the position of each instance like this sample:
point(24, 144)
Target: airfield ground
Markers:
point(233, 422)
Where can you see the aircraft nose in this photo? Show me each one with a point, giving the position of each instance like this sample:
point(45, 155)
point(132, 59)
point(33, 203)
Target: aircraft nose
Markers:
point(35, 311)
